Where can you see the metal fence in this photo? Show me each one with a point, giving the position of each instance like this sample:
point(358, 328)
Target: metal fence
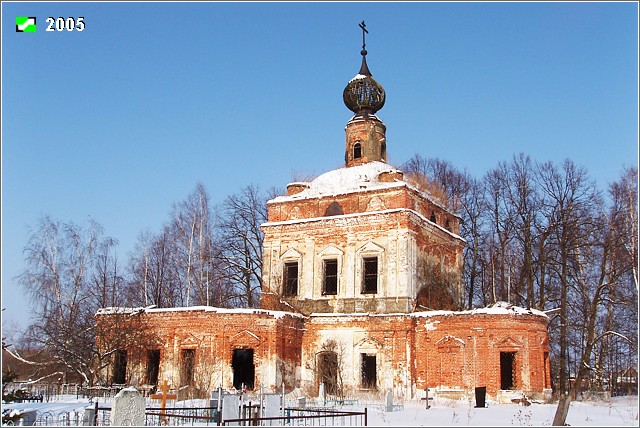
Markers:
point(305, 417)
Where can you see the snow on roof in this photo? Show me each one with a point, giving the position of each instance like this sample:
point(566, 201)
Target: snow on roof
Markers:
point(352, 179)
point(345, 180)
point(153, 309)
point(499, 308)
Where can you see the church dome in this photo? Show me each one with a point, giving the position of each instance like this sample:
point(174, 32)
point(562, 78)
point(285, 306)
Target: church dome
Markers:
point(363, 95)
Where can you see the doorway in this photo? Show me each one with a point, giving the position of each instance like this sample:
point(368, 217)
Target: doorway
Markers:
point(243, 368)
point(507, 370)
point(120, 367)
point(328, 371)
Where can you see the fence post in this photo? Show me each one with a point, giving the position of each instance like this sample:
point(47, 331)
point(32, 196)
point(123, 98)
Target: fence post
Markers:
point(95, 415)
point(365, 416)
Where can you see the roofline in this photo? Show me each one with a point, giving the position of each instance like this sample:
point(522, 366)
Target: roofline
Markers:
point(367, 213)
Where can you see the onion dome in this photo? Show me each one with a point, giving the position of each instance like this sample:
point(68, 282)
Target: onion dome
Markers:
point(363, 95)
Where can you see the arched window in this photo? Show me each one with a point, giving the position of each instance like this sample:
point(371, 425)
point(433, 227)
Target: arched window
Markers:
point(357, 151)
point(334, 208)
point(433, 217)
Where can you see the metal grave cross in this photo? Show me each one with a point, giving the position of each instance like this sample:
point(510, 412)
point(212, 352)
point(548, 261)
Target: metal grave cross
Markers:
point(163, 397)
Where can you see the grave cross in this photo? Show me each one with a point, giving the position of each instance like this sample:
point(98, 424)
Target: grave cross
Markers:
point(163, 397)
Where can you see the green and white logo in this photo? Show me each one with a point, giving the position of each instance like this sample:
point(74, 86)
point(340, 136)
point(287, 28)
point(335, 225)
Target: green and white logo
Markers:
point(25, 24)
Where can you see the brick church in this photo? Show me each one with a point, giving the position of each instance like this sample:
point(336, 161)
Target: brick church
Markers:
point(362, 290)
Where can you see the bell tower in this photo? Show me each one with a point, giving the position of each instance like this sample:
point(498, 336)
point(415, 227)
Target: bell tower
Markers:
point(365, 133)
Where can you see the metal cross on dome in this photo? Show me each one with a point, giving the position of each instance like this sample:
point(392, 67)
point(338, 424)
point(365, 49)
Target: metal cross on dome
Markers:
point(364, 30)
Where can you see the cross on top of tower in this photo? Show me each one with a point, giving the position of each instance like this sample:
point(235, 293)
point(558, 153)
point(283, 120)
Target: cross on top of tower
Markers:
point(364, 30)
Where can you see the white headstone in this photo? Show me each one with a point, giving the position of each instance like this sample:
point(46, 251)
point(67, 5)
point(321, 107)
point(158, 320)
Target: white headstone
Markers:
point(272, 409)
point(230, 407)
point(128, 408)
point(389, 401)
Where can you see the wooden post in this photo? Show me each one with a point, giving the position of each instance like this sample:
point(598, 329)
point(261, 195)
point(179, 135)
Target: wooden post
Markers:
point(163, 397)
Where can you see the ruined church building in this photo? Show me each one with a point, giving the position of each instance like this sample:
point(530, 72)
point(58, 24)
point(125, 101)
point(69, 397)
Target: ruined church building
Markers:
point(362, 290)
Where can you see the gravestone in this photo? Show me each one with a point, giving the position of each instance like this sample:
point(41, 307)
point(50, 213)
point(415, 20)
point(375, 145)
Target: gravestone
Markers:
point(272, 408)
point(128, 408)
point(302, 402)
point(321, 393)
point(230, 408)
point(389, 401)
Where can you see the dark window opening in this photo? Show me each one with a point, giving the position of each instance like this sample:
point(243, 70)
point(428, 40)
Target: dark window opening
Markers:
point(507, 370)
point(370, 276)
point(433, 218)
point(187, 367)
point(330, 277)
point(243, 369)
point(369, 380)
point(334, 208)
point(357, 151)
point(120, 367)
point(447, 225)
point(290, 279)
point(383, 150)
point(328, 371)
point(547, 381)
point(153, 366)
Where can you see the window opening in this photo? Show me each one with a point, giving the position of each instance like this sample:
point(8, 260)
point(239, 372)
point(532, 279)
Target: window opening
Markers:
point(188, 366)
point(370, 276)
point(330, 277)
point(547, 382)
point(290, 279)
point(153, 366)
point(507, 370)
point(432, 219)
point(334, 208)
point(369, 380)
point(243, 368)
point(120, 367)
point(357, 151)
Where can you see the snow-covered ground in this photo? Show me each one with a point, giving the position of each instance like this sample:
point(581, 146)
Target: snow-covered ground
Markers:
point(619, 411)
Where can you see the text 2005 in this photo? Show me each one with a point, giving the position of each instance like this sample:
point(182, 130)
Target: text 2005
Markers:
point(69, 24)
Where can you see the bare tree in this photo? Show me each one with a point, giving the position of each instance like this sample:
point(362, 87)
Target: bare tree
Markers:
point(152, 274)
point(569, 197)
point(240, 240)
point(192, 233)
point(70, 272)
point(472, 226)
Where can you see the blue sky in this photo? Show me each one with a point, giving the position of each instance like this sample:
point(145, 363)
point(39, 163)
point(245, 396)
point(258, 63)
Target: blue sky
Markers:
point(121, 120)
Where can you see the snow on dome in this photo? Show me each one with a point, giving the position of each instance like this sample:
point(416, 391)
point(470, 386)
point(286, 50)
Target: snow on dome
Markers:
point(346, 180)
point(359, 76)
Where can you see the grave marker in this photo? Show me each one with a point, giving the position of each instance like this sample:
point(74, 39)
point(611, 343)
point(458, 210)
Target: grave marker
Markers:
point(163, 397)
point(128, 408)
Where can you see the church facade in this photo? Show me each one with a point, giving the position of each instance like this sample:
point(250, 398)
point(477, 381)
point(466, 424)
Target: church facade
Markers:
point(362, 290)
